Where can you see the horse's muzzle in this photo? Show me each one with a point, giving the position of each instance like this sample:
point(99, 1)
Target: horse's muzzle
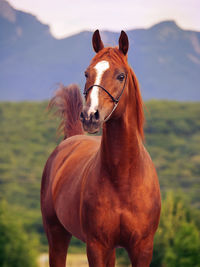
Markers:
point(91, 121)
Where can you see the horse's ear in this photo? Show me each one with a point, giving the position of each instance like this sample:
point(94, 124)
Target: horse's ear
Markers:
point(123, 43)
point(96, 41)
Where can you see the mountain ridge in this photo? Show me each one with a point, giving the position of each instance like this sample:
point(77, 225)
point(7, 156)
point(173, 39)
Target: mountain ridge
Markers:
point(165, 58)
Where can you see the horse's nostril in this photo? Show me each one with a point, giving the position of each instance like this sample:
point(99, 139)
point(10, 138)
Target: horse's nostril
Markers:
point(96, 115)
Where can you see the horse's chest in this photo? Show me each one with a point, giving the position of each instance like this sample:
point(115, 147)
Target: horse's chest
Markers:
point(100, 214)
point(107, 217)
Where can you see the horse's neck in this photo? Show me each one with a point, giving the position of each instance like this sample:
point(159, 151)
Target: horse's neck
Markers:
point(120, 146)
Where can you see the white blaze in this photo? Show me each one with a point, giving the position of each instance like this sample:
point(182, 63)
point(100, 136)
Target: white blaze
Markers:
point(100, 68)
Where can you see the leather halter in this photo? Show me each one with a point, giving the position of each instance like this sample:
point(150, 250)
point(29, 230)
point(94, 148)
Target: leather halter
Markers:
point(115, 100)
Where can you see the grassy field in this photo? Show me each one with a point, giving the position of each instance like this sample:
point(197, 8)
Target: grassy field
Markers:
point(73, 260)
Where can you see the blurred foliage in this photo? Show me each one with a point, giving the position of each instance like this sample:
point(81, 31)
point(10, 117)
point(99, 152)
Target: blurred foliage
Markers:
point(177, 241)
point(173, 140)
point(16, 248)
point(28, 136)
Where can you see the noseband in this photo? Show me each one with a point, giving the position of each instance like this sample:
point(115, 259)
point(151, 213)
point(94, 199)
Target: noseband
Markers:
point(114, 100)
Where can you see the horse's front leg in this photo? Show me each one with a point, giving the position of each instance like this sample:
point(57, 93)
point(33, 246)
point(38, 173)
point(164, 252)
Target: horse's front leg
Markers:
point(111, 260)
point(141, 253)
point(99, 256)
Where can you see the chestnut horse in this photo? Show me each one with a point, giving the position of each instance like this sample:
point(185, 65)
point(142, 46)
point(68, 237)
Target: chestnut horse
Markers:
point(102, 190)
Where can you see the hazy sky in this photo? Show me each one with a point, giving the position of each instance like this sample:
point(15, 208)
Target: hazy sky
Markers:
point(66, 17)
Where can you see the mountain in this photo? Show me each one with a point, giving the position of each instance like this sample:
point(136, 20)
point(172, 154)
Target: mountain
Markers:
point(165, 58)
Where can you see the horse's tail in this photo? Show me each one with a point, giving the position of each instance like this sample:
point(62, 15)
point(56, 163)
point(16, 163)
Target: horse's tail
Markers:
point(68, 103)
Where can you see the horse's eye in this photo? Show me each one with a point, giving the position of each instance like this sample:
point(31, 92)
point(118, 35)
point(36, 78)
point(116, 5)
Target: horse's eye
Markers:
point(86, 75)
point(121, 77)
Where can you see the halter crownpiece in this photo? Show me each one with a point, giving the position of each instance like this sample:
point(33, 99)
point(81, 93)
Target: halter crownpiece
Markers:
point(116, 101)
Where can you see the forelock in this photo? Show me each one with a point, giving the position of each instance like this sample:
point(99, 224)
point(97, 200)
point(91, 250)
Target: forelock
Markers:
point(110, 54)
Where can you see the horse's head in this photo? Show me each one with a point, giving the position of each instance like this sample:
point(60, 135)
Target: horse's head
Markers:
point(107, 82)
